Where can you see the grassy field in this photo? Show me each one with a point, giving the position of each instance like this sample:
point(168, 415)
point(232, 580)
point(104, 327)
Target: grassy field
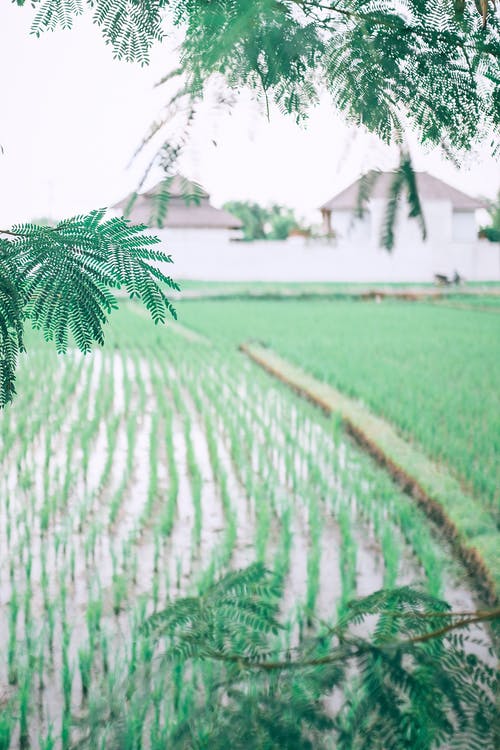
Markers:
point(431, 371)
point(142, 472)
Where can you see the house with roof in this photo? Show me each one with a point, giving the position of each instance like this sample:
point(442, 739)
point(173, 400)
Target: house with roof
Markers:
point(180, 213)
point(452, 243)
point(200, 238)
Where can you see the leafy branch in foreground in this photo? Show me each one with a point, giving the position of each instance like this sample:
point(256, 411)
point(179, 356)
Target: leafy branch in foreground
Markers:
point(386, 676)
point(61, 279)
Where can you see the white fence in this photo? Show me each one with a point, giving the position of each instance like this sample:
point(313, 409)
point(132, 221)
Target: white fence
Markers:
point(212, 258)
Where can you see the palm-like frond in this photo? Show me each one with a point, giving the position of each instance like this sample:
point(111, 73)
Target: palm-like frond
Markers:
point(232, 618)
point(62, 279)
point(408, 682)
point(11, 322)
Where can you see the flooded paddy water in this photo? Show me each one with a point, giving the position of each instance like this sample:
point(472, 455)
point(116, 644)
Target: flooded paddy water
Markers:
point(142, 472)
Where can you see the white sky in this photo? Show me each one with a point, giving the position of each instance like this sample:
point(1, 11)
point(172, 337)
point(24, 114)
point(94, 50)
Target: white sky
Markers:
point(72, 117)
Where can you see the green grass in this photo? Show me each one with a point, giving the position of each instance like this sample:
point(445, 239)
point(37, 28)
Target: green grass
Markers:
point(431, 371)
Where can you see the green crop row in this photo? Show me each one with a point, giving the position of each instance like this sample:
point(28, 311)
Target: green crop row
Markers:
point(433, 372)
point(159, 464)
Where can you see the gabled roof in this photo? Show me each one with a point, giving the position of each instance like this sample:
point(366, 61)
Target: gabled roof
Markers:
point(429, 188)
point(188, 207)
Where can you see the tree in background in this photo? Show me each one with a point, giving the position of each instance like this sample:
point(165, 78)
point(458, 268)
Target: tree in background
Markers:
point(260, 223)
point(492, 231)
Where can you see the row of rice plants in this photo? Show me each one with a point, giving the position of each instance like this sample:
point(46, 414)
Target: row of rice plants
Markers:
point(170, 425)
point(431, 371)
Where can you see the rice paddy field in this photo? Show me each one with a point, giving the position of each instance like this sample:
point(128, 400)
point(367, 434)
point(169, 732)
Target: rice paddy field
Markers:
point(145, 470)
point(429, 369)
point(142, 472)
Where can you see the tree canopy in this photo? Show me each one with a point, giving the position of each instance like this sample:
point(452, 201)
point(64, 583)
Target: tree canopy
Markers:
point(429, 64)
point(264, 223)
point(492, 231)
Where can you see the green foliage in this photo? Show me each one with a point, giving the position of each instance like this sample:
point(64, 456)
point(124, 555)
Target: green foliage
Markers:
point(233, 616)
point(260, 223)
point(403, 184)
point(60, 278)
point(409, 682)
point(492, 231)
point(418, 350)
point(129, 26)
point(382, 62)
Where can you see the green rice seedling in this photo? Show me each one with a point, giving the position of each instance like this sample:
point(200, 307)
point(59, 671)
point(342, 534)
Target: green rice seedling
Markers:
point(63, 593)
point(390, 552)
point(24, 707)
point(133, 567)
point(28, 625)
point(40, 662)
point(417, 534)
point(67, 673)
point(347, 559)
point(153, 472)
point(263, 522)
point(8, 530)
point(90, 427)
point(281, 564)
point(178, 683)
point(66, 730)
point(69, 474)
point(93, 614)
point(139, 380)
point(46, 475)
point(119, 589)
point(12, 638)
point(131, 436)
point(178, 572)
point(111, 436)
point(48, 741)
point(104, 643)
point(90, 543)
point(24, 478)
point(28, 563)
point(314, 556)
point(196, 481)
point(127, 384)
point(44, 516)
point(116, 501)
point(6, 726)
point(170, 508)
point(51, 621)
point(155, 593)
point(85, 662)
point(156, 553)
point(72, 564)
point(231, 520)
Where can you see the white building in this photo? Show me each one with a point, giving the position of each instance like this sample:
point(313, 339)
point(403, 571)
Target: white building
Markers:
point(451, 245)
point(200, 239)
point(190, 221)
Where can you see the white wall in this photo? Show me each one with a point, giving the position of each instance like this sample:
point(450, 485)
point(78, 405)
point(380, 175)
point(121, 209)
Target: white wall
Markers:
point(209, 257)
point(464, 228)
point(350, 228)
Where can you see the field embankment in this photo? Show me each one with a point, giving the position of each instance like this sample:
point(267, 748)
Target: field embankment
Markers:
point(430, 371)
point(466, 525)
